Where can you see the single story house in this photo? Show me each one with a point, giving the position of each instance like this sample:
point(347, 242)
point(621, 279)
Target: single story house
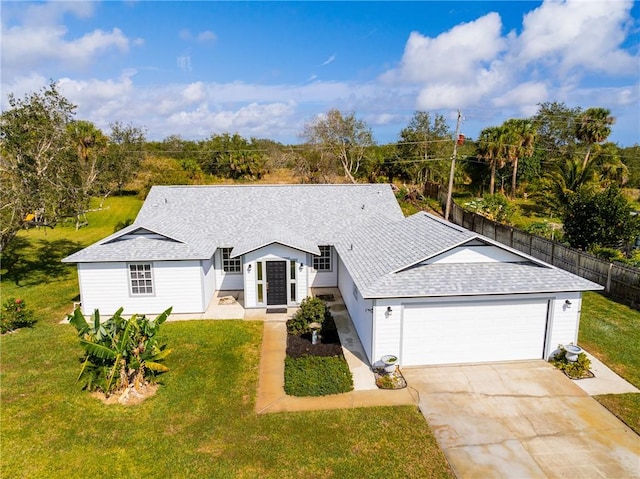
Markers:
point(417, 287)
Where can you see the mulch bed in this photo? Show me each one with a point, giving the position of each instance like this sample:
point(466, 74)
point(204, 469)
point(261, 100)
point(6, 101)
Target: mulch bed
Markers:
point(298, 346)
point(385, 380)
point(586, 375)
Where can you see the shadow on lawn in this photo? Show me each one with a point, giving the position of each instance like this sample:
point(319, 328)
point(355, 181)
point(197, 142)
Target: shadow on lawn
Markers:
point(27, 263)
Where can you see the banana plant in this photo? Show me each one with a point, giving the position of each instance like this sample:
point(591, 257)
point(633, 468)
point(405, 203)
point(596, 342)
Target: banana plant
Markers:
point(119, 348)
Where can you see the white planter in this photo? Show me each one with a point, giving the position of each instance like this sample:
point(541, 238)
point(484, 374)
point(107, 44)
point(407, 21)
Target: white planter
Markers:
point(571, 352)
point(389, 362)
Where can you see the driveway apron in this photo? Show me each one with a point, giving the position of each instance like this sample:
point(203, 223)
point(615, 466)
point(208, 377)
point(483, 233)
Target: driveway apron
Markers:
point(522, 420)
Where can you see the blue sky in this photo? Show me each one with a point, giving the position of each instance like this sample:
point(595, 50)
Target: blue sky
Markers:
point(263, 69)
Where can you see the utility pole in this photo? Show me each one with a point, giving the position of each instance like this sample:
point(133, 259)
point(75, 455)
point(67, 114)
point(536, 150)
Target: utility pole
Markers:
point(453, 167)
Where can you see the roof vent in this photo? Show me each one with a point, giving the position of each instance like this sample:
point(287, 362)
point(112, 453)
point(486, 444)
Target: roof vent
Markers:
point(362, 207)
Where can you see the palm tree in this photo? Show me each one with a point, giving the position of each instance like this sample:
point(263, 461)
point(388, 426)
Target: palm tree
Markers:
point(593, 127)
point(562, 181)
point(521, 138)
point(492, 144)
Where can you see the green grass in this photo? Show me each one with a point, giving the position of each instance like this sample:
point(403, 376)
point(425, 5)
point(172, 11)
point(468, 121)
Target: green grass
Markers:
point(611, 332)
point(316, 376)
point(201, 422)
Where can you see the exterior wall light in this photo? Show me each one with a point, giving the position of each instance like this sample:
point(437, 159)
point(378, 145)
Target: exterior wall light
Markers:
point(249, 268)
point(388, 312)
point(567, 303)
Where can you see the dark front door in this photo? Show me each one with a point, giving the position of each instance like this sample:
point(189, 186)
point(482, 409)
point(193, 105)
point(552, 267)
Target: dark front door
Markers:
point(276, 282)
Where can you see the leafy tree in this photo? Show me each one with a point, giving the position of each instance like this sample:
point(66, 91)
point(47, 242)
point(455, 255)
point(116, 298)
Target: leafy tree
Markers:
point(425, 138)
point(120, 352)
point(554, 123)
point(34, 169)
point(599, 218)
point(630, 156)
point(593, 126)
point(312, 166)
point(124, 155)
point(232, 156)
point(340, 136)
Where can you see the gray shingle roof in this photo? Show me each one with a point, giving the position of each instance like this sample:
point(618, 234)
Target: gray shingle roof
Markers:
point(204, 218)
point(379, 246)
point(383, 258)
point(477, 279)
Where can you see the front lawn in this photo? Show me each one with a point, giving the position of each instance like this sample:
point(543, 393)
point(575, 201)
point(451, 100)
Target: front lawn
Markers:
point(200, 423)
point(611, 332)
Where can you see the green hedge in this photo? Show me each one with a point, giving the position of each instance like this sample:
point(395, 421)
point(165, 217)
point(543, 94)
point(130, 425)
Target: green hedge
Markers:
point(316, 376)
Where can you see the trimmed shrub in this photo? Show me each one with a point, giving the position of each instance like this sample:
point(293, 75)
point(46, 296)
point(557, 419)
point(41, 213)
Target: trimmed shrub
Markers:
point(316, 376)
point(312, 310)
point(15, 314)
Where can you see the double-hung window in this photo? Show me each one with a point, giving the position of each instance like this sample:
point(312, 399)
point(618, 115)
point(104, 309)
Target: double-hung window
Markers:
point(323, 262)
point(141, 279)
point(230, 265)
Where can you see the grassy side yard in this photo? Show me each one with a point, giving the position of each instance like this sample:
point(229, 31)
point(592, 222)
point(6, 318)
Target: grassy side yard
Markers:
point(201, 422)
point(611, 332)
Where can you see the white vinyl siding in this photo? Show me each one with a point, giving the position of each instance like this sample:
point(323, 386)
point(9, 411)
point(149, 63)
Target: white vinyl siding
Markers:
point(324, 278)
point(226, 281)
point(105, 286)
point(565, 321)
point(473, 331)
point(209, 279)
point(360, 310)
point(475, 254)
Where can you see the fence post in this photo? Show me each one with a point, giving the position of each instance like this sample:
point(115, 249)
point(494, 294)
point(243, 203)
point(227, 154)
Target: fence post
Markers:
point(607, 287)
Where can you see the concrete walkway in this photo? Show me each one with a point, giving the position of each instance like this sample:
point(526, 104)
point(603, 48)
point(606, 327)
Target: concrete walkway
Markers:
point(272, 398)
point(522, 420)
point(605, 380)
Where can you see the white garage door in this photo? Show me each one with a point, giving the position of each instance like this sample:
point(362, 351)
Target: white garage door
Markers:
point(481, 331)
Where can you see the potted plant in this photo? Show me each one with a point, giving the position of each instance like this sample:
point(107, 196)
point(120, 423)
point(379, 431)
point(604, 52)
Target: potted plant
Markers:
point(389, 362)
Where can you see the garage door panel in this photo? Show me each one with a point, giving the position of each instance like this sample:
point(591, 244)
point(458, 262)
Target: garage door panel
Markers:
point(480, 331)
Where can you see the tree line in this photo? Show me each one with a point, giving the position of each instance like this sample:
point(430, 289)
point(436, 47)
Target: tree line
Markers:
point(51, 164)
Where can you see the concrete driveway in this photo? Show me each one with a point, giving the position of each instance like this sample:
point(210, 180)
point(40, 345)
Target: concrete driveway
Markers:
point(522, 420)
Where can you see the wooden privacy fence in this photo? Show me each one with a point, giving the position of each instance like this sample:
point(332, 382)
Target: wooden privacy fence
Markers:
point(620, 281)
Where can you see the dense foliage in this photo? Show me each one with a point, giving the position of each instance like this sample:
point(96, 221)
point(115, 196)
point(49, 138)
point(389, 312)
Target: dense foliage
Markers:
point(120, 352)
point(599, 218)
point(312, 310)
point(15, 314)
point(317, 376)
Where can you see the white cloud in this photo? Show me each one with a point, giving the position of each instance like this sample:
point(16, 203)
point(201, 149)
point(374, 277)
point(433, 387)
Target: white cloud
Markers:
point(27, 47)
point(38, 39)
point(578, 34)
point(331, 59)
point(529, 93)
point(184, 63)
point(203, 36)
point(454, 55)
point(207, 36)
